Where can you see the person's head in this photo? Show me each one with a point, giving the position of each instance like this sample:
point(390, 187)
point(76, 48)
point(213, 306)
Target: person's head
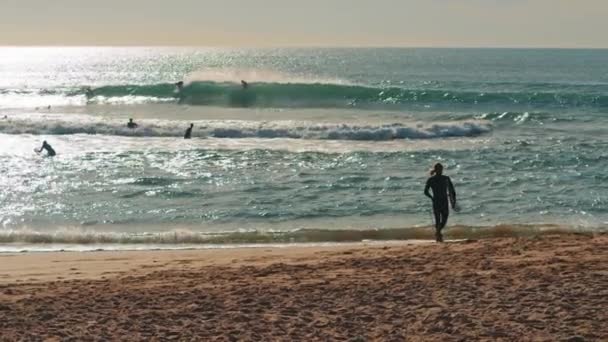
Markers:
point(437, 169)
point(130, 119)
point(44, 143)
point(191, 125)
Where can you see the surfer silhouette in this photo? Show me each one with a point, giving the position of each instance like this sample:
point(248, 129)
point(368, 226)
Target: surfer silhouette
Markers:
point(131, 124)
point(188, 134)
point(443, 195)
point(49, 150)
point(179, 85)
point(244, 84)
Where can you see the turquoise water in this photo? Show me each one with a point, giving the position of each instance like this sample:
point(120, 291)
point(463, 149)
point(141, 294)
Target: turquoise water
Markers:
point(321, 139)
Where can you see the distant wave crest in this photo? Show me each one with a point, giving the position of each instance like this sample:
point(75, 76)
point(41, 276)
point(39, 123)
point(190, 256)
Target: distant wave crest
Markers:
point(333, 95)
point(309, 95)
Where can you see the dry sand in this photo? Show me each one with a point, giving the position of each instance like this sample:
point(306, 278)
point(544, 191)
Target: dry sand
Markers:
point(551, 288)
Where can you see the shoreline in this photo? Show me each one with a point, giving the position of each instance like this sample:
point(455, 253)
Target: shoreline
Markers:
point(549, 287)
point(48, 266)
point(77, 239)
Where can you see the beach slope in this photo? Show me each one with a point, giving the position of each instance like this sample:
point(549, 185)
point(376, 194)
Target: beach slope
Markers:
point(549, 288)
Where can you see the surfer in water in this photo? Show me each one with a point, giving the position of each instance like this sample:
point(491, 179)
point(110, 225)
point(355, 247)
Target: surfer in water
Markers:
point(443, 191)
point(179, 85)
point(188, 134)
point(49, 150)
point(244, 84)
point(131, 124)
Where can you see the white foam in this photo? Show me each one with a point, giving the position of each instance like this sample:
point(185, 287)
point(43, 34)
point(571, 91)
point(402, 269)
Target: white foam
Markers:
point(57, 124)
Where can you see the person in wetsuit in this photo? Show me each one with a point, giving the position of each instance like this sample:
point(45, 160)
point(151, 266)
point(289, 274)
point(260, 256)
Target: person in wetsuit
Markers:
point(131, 124)
point(188, 134)
point(49, 150)
point(244, 84)
point(443, 195)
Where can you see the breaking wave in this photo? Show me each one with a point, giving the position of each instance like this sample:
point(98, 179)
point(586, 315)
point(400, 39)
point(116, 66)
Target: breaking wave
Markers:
point(82, 124)
point(309, 95)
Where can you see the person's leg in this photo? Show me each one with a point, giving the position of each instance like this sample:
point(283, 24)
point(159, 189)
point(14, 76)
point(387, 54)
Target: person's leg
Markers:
point(444, 213)
point(438, 235)
point(437, 214)
point(444, 217)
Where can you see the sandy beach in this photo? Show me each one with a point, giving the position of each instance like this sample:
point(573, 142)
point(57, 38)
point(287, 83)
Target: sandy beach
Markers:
point(550, 289)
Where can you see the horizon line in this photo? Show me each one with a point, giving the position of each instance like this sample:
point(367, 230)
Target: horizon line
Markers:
point(508, 47)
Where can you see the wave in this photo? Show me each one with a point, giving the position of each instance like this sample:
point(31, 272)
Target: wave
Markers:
point(523, 117)
point(334, 95)
point(313, 95)
point(83, 124)
point(79, 236)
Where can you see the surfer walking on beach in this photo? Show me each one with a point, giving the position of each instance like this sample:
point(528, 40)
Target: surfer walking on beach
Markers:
point(443, 195)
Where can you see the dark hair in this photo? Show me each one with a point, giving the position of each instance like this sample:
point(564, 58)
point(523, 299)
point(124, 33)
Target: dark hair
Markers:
point(437, 169)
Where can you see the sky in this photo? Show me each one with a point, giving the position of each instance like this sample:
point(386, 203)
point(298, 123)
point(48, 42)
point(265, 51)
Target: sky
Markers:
point(262, 23)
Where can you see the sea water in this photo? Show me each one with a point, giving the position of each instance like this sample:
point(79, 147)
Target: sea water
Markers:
point(321, 140)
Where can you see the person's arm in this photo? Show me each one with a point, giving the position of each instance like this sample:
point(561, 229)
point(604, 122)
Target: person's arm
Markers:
point(40, 149)
point(452, 192)
point(426, 189)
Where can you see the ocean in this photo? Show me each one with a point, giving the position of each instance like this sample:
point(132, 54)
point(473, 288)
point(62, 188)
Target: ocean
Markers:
point(324, 145)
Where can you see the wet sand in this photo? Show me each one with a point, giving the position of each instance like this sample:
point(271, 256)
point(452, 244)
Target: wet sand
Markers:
point(551, 288)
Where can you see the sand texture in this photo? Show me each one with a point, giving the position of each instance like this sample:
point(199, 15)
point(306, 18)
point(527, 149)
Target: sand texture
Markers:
point(552, 288)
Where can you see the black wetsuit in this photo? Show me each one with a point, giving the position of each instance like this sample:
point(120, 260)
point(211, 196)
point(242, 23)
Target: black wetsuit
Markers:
point(49, 150)
point(188, 134)
point(443, 194)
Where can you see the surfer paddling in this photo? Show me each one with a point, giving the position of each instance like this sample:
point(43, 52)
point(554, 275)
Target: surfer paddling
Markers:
point(443, 191)
point(49, 150)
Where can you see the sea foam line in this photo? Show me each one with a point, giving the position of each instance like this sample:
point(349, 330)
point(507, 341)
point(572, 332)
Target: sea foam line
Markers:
point(188, 237)
point(50, 124)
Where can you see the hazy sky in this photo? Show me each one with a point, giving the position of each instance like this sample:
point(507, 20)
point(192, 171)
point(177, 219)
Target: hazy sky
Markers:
point(503, 23)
